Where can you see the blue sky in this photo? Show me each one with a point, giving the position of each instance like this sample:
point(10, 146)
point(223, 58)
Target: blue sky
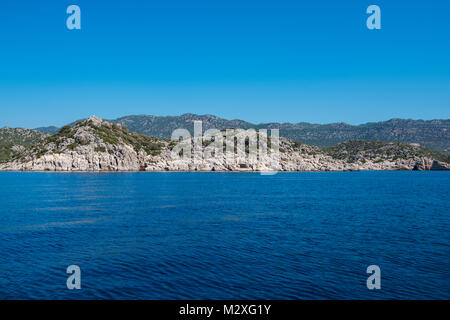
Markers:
point(261, 61)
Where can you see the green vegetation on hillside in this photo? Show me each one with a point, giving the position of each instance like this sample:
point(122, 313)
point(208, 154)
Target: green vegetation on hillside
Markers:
point(13, 139)
point(378, 151)
point(5, 151)
point(69, 138)
point(433, 134)
point(116, 133)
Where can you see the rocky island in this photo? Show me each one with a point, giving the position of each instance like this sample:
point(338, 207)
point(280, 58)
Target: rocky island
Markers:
point(99, 145)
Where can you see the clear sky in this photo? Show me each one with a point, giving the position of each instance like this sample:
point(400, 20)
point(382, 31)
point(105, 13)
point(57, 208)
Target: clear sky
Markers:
point(257, 60)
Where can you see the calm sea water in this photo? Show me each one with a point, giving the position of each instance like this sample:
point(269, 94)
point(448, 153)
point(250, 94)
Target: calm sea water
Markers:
point(224, 235)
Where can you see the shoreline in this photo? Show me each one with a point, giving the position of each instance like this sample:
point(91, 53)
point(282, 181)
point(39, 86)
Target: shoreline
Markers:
point(210, 171)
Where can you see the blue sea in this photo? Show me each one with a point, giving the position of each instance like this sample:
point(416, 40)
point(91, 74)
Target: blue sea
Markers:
point(225, 235)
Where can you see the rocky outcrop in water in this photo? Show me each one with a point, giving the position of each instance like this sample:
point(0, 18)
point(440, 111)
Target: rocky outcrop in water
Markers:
point(428, 164)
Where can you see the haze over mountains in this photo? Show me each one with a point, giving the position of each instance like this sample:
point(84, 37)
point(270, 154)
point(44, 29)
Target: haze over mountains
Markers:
point(434, 134)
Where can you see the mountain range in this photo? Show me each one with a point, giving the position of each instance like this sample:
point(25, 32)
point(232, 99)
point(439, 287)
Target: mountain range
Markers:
point(433, 134)
point(99, 145)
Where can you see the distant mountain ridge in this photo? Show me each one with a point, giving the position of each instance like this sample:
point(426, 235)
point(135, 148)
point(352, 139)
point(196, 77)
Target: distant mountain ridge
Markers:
point(49, 130)
point(433, 134)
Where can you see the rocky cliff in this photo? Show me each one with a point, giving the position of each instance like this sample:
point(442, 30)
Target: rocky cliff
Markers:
point(98, 145)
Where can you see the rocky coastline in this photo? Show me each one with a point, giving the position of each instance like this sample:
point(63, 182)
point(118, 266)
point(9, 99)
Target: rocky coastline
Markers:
point(96, 145)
